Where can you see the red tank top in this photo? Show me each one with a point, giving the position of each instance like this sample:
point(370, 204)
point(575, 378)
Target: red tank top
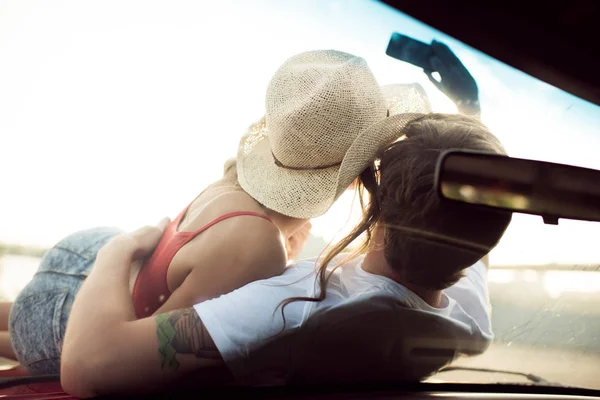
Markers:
point(150, 290)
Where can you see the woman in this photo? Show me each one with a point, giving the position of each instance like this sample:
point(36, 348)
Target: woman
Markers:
point(291, 166)
point(413, 297)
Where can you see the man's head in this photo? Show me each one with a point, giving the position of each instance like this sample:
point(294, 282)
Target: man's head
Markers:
point(415, 220)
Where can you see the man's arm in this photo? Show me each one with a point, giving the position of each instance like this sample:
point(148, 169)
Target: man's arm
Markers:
point(182, 332)
point(221, 270)
point(106, 350)
point(141, 356)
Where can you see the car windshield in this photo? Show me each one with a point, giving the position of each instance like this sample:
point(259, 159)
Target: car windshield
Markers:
point(90, 92)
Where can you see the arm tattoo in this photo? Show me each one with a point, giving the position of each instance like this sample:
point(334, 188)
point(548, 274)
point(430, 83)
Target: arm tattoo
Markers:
point(183, 332)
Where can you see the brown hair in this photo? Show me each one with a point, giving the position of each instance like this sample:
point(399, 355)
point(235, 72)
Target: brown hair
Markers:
point(403, 200)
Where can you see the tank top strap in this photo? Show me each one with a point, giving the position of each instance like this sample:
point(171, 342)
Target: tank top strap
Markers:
point(177, 220)
point(151, 281)
point(190, 235)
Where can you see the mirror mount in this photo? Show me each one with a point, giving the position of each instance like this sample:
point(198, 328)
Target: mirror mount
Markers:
point(550, 219)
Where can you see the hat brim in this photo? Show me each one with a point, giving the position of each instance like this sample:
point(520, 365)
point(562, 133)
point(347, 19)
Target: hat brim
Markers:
point(295, 193)
point(367, 145)
point(310, 193)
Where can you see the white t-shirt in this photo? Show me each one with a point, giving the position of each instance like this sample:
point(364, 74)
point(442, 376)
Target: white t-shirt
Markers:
point(368, 328)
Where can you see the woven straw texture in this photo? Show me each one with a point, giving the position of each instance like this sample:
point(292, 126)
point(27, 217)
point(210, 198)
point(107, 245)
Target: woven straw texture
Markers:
point(325, 122)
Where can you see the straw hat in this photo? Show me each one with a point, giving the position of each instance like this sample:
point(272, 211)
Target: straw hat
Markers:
point(326, 119)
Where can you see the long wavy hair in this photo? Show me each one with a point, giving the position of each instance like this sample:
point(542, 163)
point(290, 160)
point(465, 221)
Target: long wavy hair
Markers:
point(402, 199)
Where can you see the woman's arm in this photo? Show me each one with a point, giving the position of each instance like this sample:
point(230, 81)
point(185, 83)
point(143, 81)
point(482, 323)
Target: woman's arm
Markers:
point(106, 350)
point(242, 250)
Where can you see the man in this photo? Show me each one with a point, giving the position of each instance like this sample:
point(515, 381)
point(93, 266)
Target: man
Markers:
point(347, 337)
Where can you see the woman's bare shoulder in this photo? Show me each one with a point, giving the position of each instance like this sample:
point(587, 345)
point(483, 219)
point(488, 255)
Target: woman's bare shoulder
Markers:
point(216, 202)
point(248, 247)
point(236, 250)
point(247, 233)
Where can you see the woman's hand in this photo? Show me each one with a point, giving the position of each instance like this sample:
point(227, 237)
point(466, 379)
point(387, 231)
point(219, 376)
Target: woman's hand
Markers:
point(296, 242)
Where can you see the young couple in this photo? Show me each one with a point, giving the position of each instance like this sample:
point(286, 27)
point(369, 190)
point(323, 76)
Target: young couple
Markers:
point(210, 297)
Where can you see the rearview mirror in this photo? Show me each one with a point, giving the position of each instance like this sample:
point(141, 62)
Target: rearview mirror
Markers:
point(526, 186)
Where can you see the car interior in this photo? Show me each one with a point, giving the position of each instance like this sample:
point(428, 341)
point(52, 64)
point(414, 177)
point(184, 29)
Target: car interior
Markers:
point(555, 43)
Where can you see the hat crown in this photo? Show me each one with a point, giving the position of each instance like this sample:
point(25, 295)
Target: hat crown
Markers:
point(317, 103)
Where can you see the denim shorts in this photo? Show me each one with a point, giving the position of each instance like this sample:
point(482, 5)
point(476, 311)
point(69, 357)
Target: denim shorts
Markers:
point(39, 315)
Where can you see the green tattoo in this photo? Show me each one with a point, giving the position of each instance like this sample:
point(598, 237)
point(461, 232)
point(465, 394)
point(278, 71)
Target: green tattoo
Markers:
point(166, 333)
point(182, 332)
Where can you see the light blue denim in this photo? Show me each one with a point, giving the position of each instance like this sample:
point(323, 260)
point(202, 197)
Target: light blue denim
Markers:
point(39, 315)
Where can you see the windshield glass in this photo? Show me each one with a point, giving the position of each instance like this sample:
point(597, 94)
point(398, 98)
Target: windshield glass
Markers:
point(91, 91)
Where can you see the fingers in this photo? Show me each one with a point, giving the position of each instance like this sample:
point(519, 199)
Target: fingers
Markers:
point(162, 224)
point(437, 83)
point(438, 65)
point(446, 60)
point(137, 244)
point(296, 242)
point(307, 226)
point(147, 237)
point(444, 52)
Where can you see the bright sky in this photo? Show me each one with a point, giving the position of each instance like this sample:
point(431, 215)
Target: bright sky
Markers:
point(120, 112)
